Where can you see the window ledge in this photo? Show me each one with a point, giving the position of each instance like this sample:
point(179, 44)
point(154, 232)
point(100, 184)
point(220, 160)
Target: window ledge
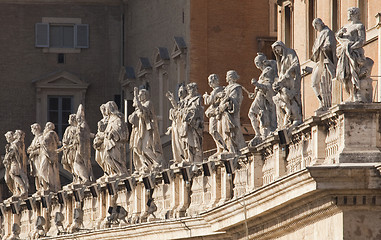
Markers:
point(61, 50)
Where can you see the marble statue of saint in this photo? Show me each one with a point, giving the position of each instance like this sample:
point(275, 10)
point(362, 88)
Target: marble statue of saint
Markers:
point(145, 139)
point(111, 142)
point(76, 147)
point(20, 143)
point(324, 54)
point(262, 111)
point(176, 116)
point(49, 169)
point(352, 65)
point(34, 151)
point(230, 101)
point(193, 125)
point(211, 100)
point(15, 176)
point(68, 151)
point(99, 138)
point(287, 87)
point(82, 163)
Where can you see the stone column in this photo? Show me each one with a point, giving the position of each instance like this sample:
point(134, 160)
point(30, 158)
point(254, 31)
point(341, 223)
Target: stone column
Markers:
point(280, 164)
point(256, 169)
point(175, 192)
point(318, 135)
point(378, 17)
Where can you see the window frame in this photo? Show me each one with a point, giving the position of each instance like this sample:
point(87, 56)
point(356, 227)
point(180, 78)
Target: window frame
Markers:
point(47, 22)
point(61, 122)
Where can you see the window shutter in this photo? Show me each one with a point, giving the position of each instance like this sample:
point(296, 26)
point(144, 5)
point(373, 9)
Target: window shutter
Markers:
point(42, 35)
point(81, 36)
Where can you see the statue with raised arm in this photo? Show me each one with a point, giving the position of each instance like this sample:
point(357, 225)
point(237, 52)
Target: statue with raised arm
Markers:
point(15, 176)
point(145, 139)
point(115, 136)
point(34, 151)
point(49, 169)
point(324, 54)
point(193, 125)
point(230, 101)
point(352, 65)
point(215, 127)
point(262, 111)
point(287, 87)
point(175, 114)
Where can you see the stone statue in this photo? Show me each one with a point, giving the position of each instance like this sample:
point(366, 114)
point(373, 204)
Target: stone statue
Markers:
point(34, 156)
point(99, 138)
point(68, 151)
point(39, 230)
point(145, 138)
point(215, 127)
point(49, 170)
point(352, 65)
point(175, 114)
point(15, 175)
point(229, 112)
point(111, 140)
point(193, 124)
point(324, 54)
point(44, 158)
point(76, 148)
point(287, 87)
point(262, 111)
point(20, 143)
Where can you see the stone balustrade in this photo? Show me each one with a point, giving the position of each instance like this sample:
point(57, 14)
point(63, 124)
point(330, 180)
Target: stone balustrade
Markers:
point(347, 133)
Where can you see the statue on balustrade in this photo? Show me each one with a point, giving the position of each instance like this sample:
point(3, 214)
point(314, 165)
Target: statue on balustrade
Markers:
point(229, 102)
point(43, 158)
point(15, 175)
point(193, 125)
point(352, 65)
point(287, 87)
point(145, 142)
point(262, 111)
point(176, 115)
point(34, 155)
point(215, 127)
point(110, 141)
point(324, 54)
point(49, 169)
point(77, 149)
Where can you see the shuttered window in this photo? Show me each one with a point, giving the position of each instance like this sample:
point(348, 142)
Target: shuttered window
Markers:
point(62, 36)
point(42, 34)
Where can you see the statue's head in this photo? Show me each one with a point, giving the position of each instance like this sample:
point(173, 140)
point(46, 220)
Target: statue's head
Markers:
point(72, 119)
point(19, 135)
point(259, 60)
point(143, 95)
point(192, 88)
point(111, 108)
point(182, 92)
point(102, 108)
point(213, 80)
point(278, 48)
point(49, 126)
point(353, 13)
point(232, 76)
point(318, 24)
point(9, 136)
point(35, 128)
